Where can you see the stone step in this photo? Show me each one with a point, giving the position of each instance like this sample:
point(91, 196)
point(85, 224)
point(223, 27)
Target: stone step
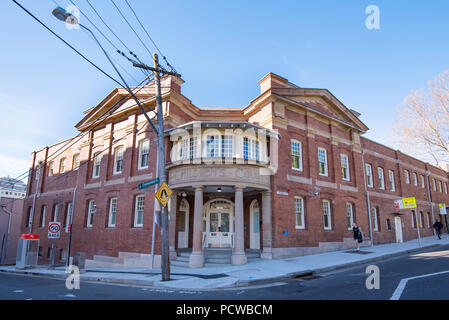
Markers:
point(108, 259)
point(184, 254)
point(183, 258)
point(226, 260)
point(176, 263)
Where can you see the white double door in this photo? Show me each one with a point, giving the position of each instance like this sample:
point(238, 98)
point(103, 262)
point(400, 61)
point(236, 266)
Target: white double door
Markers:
point(220, 229)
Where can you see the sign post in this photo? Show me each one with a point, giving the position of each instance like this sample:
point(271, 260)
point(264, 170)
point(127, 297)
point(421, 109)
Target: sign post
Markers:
point(54, 232)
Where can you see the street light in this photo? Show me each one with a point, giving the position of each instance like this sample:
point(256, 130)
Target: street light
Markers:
point(63, 15)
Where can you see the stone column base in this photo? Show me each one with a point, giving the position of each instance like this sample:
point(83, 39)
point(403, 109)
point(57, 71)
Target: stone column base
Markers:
point(238, 258)
point(196, 260)
point(266, 255)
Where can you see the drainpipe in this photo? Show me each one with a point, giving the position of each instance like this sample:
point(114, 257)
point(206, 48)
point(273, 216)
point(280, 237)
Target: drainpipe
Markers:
point(367, 200)
point(430, 199)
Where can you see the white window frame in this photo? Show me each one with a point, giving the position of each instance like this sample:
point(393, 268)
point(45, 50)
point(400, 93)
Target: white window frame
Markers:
point(67, 217)
point(296, 151)
point(326, 210)
point(369, 175)
point(213, 144)
point(423, 183)
point(415, 179)
point(97, 164)
point(326, 171)
point(445, 188)
point(112, 212)
point(194, 151)
point(144, 153)
point(55, 213)
point(139, 209)
point(50, 168)
point(381, 176)
point(91, 209)
point(62, 164)
point(428, 219)
point(43, 216)
point(375, 218)
point(345, 165)
point(391, 180)
point(434, 185)
point(76, 162)
point(440, 188)
point(299, 211)
point(251, 149)
point(350, 214)
point(407, 176)
point(118, 159)
point(227, 146)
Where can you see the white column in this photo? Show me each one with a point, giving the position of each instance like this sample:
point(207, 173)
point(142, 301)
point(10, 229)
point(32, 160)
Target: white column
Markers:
point(238, 253)
point(266, 226)
point(197, 256)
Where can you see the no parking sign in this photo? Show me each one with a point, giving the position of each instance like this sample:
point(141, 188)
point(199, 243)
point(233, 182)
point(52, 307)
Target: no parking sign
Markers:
point(54, 230)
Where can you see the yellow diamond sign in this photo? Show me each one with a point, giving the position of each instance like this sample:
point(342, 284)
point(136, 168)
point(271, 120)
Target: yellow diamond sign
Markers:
point(163, 194)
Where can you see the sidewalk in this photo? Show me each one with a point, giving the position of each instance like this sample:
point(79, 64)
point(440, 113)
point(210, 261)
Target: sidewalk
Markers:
point(253, 272)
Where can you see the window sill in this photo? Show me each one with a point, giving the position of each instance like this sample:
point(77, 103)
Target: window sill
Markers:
point(300, 228)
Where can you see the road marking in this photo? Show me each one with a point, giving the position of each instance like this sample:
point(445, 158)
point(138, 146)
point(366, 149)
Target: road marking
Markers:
point(398, 292)
point(18, 291)
point(70, 296)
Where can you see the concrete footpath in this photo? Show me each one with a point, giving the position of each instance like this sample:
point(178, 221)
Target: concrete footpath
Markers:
point(254, 272)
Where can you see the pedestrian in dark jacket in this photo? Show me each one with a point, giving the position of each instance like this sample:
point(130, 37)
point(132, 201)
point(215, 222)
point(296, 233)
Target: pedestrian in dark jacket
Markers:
point(357, 231)
point(438, 226)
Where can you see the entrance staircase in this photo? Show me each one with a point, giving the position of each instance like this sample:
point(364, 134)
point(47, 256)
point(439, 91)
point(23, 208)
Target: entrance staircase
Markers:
point(214, 257)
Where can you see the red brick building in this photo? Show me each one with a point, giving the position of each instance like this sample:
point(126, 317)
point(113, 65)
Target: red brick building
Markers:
point(284, 176)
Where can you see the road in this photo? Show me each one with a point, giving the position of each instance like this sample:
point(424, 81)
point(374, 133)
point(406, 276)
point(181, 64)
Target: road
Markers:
point(347, 284)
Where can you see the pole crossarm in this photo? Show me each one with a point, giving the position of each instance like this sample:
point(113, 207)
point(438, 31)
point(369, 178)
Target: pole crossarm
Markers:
point(160, 70)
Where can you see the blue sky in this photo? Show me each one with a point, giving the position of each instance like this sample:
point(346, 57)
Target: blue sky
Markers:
point(222, 49)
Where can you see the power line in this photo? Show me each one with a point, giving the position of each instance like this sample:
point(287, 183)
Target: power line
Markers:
point(126, 20)
point(151, 39)
point(65, 42)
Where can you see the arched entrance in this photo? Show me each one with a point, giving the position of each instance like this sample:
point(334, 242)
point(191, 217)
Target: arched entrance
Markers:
point(254, 227)
point(183, 224)
point(219, 224)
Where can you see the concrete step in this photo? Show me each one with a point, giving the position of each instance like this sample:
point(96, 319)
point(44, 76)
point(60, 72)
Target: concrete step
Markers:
point(184, 254)
point(208, 264)
point(176, 263)
point(226, 260)
point(108, 259)
point(183, 258)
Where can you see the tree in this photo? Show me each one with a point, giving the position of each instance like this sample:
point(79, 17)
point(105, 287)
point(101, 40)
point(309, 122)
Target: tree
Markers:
point(423, 127)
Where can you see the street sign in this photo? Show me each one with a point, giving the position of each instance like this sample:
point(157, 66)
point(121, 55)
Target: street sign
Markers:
point(442, 208)
point(148, 183)
point(54, 230)
point(163, 194)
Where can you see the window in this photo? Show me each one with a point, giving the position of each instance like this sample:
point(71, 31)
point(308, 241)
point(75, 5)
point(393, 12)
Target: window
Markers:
point(423, 184)
point(97, 163)
point(428, 219)
point(415, 179)
point(445, 188)
point(43, 213)
point(250, 149)
point(62, 165)
point(194, 152)
point(388, 224)
point(144, 153)
point(413, 217)
point(138, 211)
point(212, 146)
point(407, 177)
point(349, 215)
point(326, 214)
point(434, 185)
point(322, 162)
point(439, 186)
point(296, 155)
point(421, 219)
point(55, 213)
point(375, 218)
point(391, 178)
point(91, 210)
point(344, 167)
point(380, 175)
point(299, 213)
point(112, 212)
point(227, 146)
point(50, 169)
point(76, 162)
point(38, 172)
point(118, 160)
point(369, 175)
point(68, 214)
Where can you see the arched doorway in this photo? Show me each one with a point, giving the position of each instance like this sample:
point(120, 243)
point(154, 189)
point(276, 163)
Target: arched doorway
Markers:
point(254, 226)
point(183, 224)
point(219, 224)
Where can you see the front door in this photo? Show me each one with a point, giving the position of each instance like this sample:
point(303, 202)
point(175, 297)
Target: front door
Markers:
point(254, 239)
point(219, 229)
point(398, 227)
point(183, 225)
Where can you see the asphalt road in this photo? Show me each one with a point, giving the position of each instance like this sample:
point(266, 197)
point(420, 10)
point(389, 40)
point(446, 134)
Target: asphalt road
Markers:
point(347, 284)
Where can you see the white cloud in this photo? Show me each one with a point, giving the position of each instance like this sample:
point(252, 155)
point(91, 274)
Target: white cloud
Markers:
point(13, 167)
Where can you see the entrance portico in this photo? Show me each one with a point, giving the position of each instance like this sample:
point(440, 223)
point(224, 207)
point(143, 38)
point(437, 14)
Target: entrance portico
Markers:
point(217, 193)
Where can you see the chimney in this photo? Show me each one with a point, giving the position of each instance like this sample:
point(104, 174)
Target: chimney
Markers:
point(171, 82)
point(272, 80)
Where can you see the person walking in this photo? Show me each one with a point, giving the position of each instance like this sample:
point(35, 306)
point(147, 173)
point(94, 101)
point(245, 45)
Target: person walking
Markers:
point(357, 233)
point(438, 226)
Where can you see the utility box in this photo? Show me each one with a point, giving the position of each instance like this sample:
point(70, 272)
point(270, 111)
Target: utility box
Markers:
point(27, 251)
point(79, 260)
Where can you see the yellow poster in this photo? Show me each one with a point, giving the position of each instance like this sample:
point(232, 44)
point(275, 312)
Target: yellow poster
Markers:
point(409, 203)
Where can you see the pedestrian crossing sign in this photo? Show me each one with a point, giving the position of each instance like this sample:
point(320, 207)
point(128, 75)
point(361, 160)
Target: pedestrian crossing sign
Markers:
point(163, 194)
